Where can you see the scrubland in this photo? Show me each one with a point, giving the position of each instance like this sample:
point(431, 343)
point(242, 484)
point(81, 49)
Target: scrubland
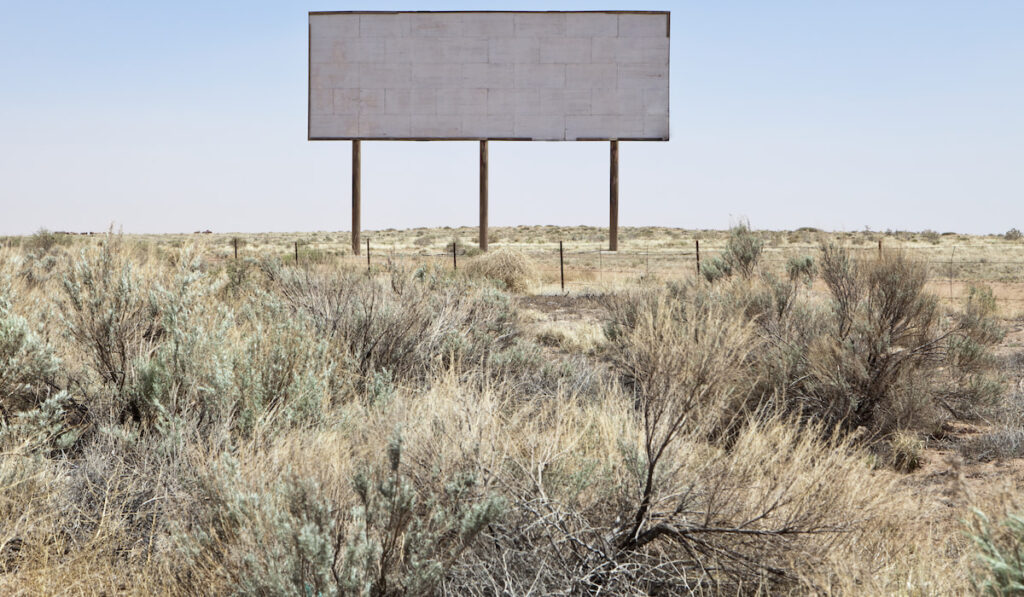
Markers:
point(818, 420)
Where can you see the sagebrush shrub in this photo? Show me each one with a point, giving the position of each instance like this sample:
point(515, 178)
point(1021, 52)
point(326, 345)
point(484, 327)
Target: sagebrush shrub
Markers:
point(28, 365)
point(43, 240)
point(284, 375)
point(879, 354)
point(404, 325)
point(290, 538)
point(801, 268)
point(742, 253)
point(1000, 553)
point(889, 342)
point(38, 267)
point(107, 313)
point(743, 250)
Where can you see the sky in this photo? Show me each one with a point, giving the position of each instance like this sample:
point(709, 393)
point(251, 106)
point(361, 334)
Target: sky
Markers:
point(185, 116)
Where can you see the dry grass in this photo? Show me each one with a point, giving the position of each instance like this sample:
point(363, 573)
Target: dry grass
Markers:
point(657, 440)
point(513, 269)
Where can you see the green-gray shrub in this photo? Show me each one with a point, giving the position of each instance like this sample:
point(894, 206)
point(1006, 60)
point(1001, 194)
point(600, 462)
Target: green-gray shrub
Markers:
point(28, 365)
point(1001, 554)
point(801, 268)
point(43, 240)
point(108, 315)
point(408, 325)
point(715, 269)
point(291, 538)
point(742, 253)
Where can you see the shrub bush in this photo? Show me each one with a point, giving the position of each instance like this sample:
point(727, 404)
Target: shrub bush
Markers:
point(44, 240)
point(107, 313)
point(513, 269)
point(401, 325)
point(1000, 553)
point(742, 253)
point(38, 267)
point(880, 354)
point(292, 538)
point(28, 366)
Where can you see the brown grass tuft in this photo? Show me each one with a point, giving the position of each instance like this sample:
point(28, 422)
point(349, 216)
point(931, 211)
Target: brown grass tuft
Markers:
point(512, 268)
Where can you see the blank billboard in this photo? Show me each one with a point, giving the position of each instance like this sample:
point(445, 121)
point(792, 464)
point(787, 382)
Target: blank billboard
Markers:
point(544, 76)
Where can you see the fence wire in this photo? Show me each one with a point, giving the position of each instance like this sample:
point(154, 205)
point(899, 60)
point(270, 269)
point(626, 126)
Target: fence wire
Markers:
point(589, 267)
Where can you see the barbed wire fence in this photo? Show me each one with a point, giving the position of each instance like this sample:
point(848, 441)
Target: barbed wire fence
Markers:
point(566, 266)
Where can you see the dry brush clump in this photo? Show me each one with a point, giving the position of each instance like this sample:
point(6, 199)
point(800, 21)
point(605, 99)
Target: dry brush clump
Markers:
point(512, 269)
point(878, 352)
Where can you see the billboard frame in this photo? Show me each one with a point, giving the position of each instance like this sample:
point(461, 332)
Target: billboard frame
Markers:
point(483, 141)
point(309, 73)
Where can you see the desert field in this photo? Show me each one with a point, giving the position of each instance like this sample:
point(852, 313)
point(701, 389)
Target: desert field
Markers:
point(804, 412)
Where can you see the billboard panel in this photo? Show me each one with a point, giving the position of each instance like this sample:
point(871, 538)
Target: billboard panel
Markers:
point(551, 76)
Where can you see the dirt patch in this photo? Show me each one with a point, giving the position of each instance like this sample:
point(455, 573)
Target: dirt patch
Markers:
point(562, 307)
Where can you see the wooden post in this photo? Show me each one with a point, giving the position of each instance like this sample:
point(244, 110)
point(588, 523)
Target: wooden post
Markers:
point(879, 248)
point(697, 244)
point(296, 252)
point(483, 195)
point(561, 264)
point(951, 255)
point(613, 203)
point(234, 241)
point(356, 191)
point(455, 260)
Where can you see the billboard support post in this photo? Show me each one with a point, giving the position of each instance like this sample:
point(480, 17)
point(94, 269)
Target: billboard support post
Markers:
point(483, 195)
point(595, 76)
point(355, 195)
point(613, 200)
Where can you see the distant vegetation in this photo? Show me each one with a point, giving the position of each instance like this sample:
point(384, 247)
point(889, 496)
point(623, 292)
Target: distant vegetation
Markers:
point(179, 421)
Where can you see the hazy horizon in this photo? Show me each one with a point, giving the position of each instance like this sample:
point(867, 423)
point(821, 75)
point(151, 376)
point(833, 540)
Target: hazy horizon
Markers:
point(902, 117)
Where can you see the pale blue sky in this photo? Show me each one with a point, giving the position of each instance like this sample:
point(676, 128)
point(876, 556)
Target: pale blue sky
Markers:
point(902, 114)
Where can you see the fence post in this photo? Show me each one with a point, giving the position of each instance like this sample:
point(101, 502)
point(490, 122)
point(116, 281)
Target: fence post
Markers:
point(455, 260)
point(296, 252)
point(697, 244)
point(879, 248)
point(561, 264)
point(951, 255)
point(234, 242)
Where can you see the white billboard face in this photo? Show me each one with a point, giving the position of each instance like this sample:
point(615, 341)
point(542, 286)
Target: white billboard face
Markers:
point(544, 76)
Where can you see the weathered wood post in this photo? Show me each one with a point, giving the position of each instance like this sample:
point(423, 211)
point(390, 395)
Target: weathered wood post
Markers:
point(613, 203)
point(356, 190)
point(483, 195)
point(561, 264)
